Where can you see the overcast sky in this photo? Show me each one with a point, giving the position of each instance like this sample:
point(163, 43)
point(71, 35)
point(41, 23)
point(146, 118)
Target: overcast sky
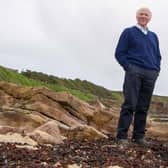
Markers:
point(76, 38)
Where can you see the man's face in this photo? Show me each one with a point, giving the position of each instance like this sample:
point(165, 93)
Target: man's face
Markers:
point(143, 17)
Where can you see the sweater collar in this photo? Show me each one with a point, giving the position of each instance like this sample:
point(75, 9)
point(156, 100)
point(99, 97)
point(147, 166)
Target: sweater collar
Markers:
point(143, 30)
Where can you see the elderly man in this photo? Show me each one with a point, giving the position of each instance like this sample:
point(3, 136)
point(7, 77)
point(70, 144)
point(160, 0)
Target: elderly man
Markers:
point(139, 54)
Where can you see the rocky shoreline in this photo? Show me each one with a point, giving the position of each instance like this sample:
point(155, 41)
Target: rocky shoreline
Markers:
point(79, 134)
point(104, 153)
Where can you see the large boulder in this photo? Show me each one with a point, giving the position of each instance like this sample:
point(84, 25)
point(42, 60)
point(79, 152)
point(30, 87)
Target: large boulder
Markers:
point(49, 133)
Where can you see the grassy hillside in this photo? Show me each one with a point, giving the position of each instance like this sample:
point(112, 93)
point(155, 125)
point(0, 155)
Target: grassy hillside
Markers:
point(15, 77)
point(84, 86)
point(77, 84)
point(84, 90)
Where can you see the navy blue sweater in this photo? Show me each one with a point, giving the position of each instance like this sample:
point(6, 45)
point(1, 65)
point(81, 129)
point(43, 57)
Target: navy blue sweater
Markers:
point(139, 49)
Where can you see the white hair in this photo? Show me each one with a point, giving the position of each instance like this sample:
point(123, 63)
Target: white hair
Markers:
point(146, 9)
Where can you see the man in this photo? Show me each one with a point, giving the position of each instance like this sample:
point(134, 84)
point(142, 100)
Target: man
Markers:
point(139, 54)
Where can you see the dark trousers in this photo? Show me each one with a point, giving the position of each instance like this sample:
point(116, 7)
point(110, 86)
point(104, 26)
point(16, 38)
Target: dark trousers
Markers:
point(137, 89)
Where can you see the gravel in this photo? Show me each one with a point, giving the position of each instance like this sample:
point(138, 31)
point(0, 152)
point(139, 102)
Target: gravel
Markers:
point(86, 154)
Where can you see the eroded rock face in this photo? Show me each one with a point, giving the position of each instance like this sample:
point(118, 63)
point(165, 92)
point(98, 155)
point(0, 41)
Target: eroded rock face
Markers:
point(20, 118)
point(50, 117)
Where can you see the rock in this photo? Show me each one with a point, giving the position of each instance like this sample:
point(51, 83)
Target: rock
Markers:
point(44, 138)
point(18, 118)
point(50, 127)
point(17, 138)
point(102, 117)
point(48, 133)
point(27, 147)
point(56, 165)
point(114, 167)
point(34, 109)
point(7, 129)
point(63, 104)
point(83, 132)
point(74, 166)
point(54, 111)
point(6, 100)
point(80, 106)
point(158, 130)
point(14, 90)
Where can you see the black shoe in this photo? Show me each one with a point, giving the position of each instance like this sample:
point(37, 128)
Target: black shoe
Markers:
point(122, 142)
point(141, 142)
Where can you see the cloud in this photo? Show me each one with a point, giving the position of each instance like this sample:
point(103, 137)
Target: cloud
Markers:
point(74, 38)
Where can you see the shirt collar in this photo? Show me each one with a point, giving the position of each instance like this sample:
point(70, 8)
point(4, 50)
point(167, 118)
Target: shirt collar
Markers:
point(145, 31)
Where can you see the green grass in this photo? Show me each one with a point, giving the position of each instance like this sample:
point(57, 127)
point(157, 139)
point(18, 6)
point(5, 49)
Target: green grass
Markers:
point(118, 96)
point(160, 98)
point(83, 86)
point(12, 76)
point(82, 89)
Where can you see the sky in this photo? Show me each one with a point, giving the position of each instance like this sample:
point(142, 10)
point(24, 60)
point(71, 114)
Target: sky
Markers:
point(76, 38)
